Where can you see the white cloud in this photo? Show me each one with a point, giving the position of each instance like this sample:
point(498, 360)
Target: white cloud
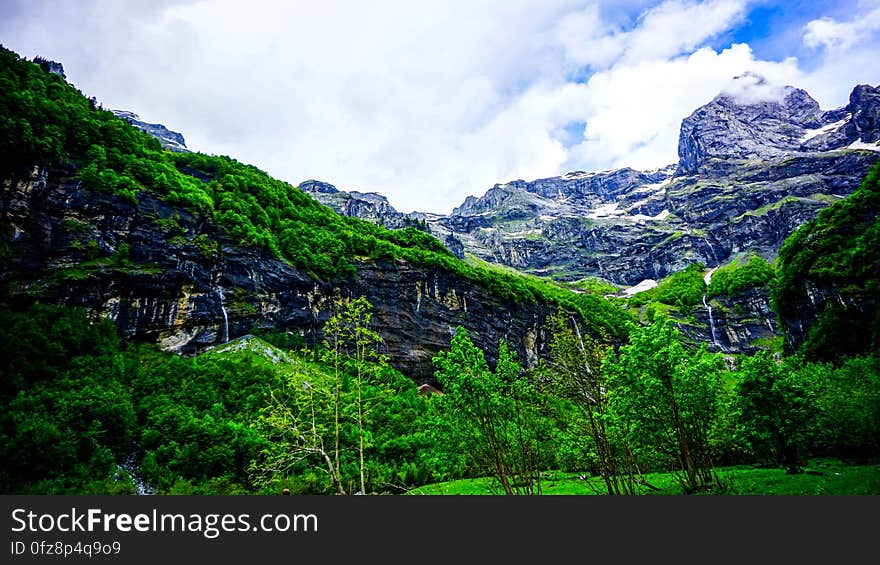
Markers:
point(841, 36)
point(752, 88)
point(676, 27)
point(426, 102)
point(667, 30)
point(587, 40)
point(848, 55)
point(635, 111)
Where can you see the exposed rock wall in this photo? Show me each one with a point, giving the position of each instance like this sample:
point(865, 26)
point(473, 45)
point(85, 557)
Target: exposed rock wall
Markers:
point(753, 166)
point(743, 323)
point(170, 140)
point(143, 267)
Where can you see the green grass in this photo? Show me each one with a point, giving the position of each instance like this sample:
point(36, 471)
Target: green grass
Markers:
point(594, 285)
point(766, 208)
point(821, 477)
point(773, 344)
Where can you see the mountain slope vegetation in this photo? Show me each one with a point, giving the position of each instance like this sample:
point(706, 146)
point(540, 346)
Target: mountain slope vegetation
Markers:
point(47, 121)
point(829, 268)
point(90, 409)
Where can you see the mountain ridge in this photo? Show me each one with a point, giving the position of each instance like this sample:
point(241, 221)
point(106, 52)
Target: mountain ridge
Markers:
point(186, 250)
point(625, 226)
point(790, 157)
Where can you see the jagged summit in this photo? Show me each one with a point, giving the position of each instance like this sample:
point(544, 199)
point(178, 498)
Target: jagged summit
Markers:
point(370, 206)
point(753, 120)
point(317, 187)
point(171, 140)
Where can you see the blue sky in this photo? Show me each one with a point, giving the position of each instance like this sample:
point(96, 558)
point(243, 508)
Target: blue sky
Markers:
point(428, 102)
point(774, 29)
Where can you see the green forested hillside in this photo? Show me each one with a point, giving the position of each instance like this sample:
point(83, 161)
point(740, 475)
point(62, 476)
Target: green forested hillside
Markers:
point(836, 255)
point(85, 411)
point(44, 120)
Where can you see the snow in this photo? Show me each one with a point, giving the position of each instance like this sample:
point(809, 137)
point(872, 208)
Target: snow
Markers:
point(643, 218)
point(811, 133)
point(578, 175)
point(859, 144)
point(656, 187)
point(605, 211)
point(646, 284)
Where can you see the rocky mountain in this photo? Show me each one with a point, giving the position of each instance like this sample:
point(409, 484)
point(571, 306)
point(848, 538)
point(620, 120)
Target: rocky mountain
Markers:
point(375, 208)
point(174, 293)
point(170, 140)
point(370, 206)
point(750, 171)
point(754, 163)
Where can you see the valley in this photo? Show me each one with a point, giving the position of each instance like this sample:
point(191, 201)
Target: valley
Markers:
point(188, 322)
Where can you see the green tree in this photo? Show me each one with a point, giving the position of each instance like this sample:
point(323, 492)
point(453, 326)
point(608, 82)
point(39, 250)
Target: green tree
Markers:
point(318, 417)
point(848, 420)
point(297, 423)
point(575, 368)
point(349, 333)
point(668, 400)
point(491, 415)
point(776, 405)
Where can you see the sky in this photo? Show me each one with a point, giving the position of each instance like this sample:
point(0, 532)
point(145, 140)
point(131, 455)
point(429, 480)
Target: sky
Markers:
point(428, 102)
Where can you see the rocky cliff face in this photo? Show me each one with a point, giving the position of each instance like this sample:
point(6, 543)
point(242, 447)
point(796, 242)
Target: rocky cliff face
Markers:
point(740, 324)
point(786, 123)
point(160, 283)
point(752, 168)
point(369, 206)
point(170, 140)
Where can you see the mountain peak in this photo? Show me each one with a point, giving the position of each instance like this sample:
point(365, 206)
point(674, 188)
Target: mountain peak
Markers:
point(750, 89)
point(170, 140)
point(317, 187)
point(752, 119)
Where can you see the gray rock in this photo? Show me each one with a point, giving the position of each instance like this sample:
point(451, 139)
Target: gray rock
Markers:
point(52, 67)
point(748, 175)
point(369, 206)
point(174, 294)
point(170, 140)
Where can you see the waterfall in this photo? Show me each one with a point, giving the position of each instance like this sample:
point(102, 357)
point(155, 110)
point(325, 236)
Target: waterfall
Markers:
point(711, 249)
point(225, 317)
point(130, 465)
point(712, 324)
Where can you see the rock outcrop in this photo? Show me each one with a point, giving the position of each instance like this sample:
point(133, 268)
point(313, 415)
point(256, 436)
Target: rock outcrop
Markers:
point(71, 245)
point(743, 323)
point(369, 206)
point(753, 166)
point(170, 140)
point(53, 67)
